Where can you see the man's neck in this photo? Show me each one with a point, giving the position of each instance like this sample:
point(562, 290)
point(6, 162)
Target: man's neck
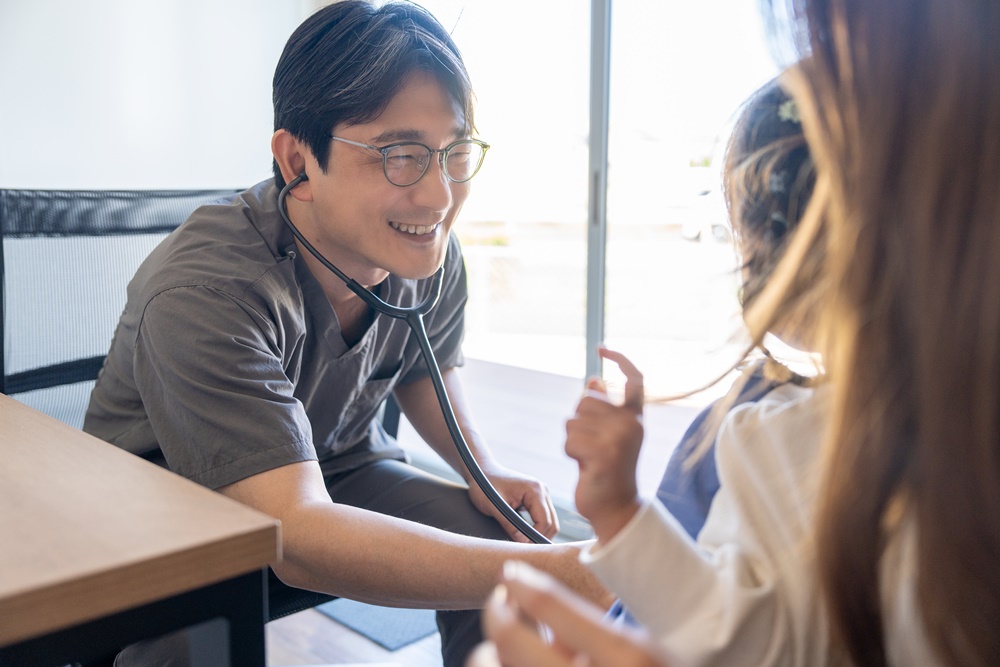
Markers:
point(353, 314)
point(355, 317)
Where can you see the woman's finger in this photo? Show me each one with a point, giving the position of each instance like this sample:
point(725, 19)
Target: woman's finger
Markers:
point(634, 390)
point(575, 622)
point(578, 627)
point(515, 637)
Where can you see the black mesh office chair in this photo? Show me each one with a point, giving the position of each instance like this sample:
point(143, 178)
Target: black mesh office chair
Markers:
point(66, 258)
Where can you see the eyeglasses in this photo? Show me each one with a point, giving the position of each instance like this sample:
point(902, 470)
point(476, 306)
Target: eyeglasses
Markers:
point(406, 162)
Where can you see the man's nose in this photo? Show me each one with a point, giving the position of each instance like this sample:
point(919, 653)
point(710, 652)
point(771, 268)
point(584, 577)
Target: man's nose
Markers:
point(433, 190)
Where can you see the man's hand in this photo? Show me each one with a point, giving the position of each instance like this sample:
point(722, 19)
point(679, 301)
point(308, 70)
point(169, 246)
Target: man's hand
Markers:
point(605, 438)
point(419, 403)
point(521, 493)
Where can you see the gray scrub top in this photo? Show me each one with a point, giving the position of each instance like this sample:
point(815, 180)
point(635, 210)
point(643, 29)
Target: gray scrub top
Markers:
point(228, 359)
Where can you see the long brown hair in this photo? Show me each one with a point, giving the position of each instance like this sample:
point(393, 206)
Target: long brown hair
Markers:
point(901, 107)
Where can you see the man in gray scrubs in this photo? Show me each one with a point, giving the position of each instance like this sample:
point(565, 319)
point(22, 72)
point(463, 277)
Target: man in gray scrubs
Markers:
point(242, 363)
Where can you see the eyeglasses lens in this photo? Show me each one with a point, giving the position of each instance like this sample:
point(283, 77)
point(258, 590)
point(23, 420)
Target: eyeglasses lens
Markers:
point(463, 161)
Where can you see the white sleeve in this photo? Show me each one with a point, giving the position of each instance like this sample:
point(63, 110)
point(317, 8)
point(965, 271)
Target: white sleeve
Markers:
point(744, 594)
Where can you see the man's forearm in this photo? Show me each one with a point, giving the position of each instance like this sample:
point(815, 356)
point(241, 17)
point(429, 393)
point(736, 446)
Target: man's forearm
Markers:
point(382, 560)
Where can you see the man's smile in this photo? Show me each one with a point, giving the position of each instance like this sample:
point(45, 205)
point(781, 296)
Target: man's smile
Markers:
point(416, 230)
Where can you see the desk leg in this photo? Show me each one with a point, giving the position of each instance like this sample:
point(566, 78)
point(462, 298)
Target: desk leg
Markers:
point(240, 601)
point(247, 614)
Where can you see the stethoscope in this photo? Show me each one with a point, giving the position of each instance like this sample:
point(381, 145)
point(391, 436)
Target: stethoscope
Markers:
point(414, 317)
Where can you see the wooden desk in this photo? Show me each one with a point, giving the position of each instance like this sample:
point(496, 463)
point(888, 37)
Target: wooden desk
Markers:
point(99, 548)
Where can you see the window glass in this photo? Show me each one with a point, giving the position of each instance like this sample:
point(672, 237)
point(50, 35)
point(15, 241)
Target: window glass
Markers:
point(523, 229)
point(678, 73)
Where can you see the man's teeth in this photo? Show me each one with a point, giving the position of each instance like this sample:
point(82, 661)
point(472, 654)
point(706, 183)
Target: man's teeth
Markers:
point(416, 230)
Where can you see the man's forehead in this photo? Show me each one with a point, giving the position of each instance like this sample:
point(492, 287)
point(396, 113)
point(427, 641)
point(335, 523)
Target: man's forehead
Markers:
point(422, 109)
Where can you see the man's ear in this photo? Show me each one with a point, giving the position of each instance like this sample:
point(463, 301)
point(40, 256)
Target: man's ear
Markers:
point(291, 156)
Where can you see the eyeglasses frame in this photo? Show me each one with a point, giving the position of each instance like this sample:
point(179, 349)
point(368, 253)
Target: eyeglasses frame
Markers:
point(384, 150)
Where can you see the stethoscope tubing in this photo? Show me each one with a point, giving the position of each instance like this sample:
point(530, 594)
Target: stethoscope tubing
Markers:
point(414, 318)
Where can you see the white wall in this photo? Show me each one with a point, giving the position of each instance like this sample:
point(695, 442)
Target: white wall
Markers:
point(139, 93)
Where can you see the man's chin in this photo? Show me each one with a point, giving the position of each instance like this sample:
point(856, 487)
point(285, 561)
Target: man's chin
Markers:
point(424, 267)
point(416, 273)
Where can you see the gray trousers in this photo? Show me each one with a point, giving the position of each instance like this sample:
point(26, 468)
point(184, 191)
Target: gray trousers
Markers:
point(387, 487)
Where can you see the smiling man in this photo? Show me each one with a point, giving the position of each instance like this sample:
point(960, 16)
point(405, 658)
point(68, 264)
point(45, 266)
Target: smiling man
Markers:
point(241, 362)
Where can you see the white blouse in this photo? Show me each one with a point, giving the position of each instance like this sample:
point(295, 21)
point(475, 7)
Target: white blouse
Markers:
point(746, 592)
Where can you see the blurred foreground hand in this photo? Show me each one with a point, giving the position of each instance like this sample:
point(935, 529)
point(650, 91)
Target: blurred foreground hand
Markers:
point(528, 606)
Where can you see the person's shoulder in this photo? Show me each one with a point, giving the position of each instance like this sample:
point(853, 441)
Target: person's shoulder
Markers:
point(454, 268)
point(454, 256)
point(789, 422)
point(222, 216)
point(229, 244)
point(783, 402)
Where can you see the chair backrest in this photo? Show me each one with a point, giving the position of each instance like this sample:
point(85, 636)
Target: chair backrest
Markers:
point(66, 258)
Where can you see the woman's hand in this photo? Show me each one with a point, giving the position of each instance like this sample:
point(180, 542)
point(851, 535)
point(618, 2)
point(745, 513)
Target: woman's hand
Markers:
point(605, 439)
point(527, 599)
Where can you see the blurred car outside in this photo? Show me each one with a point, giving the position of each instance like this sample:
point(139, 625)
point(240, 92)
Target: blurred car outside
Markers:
point(707, 218)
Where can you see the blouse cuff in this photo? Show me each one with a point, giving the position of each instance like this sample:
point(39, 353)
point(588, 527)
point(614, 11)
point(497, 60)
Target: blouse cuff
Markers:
point(594, 551)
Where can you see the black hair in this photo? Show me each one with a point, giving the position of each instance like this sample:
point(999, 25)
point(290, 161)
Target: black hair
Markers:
point(346, 62)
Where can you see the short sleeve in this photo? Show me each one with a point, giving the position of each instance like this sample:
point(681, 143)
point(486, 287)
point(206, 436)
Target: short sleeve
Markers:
point(209, 371)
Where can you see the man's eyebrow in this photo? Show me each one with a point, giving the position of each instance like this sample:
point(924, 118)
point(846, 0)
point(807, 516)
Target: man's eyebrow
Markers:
point(396, 135)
